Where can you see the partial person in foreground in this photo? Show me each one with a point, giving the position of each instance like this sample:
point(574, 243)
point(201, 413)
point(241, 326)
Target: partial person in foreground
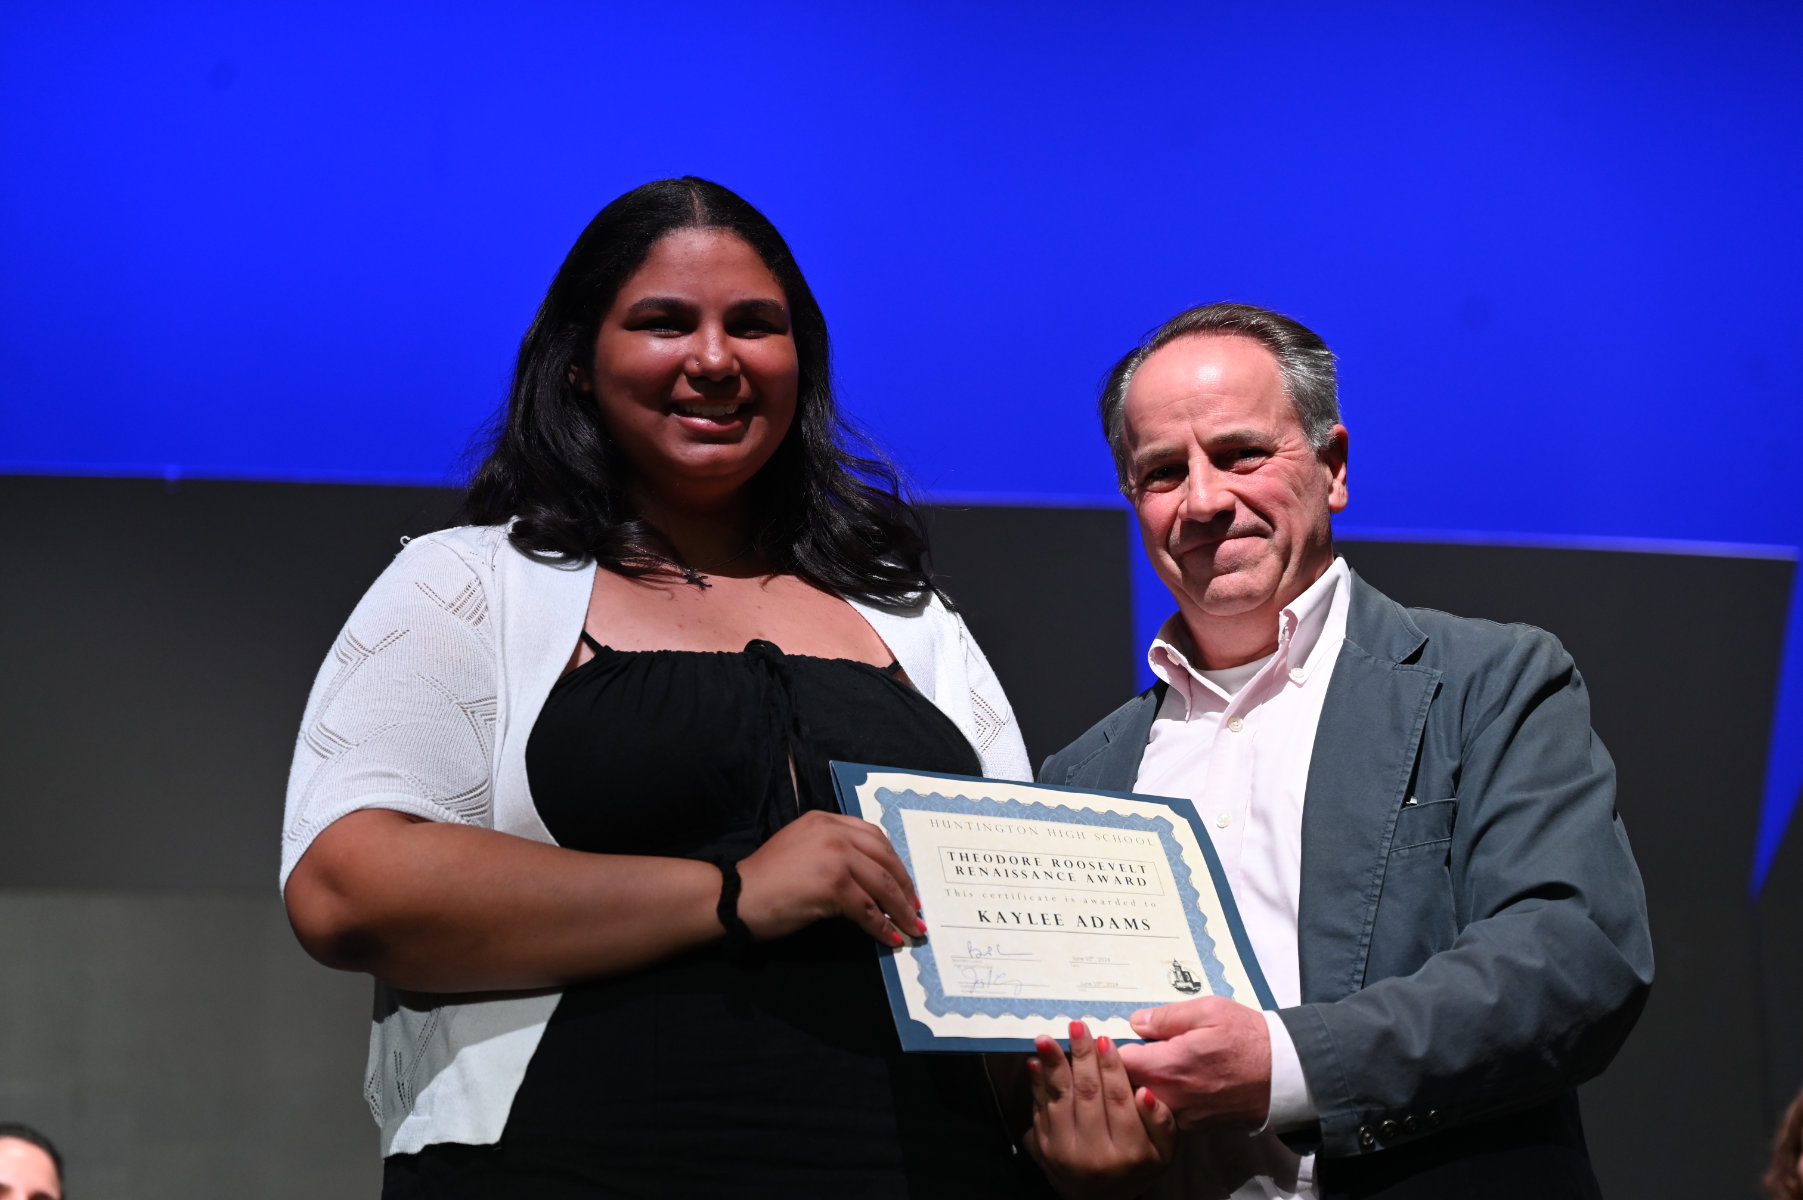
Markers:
point(1784, 1178)
point(562, 787)
point(1417, 821)
point(30, 1166)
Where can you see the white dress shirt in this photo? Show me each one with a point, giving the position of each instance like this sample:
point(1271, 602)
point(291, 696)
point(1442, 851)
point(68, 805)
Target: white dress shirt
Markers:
point(1238, 743)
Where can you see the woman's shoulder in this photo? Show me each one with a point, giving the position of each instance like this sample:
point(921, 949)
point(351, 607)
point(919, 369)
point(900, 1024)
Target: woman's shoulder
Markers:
point(475, 544)
point(487, 548)
point(447, 562)
point(925, 618)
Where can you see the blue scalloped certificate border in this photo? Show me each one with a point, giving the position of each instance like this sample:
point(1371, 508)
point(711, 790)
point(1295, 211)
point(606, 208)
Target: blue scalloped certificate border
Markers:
point(849, 778)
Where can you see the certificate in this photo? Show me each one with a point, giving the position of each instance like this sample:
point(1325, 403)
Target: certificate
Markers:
point(1046, 905)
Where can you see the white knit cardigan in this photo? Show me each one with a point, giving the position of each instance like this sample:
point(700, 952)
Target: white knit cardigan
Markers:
point(424, 706)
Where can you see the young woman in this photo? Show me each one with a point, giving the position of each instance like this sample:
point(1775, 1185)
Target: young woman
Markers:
point(561, 786)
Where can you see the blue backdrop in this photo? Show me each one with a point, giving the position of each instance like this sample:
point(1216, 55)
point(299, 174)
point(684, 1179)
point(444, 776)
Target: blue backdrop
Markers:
point(1557, 250)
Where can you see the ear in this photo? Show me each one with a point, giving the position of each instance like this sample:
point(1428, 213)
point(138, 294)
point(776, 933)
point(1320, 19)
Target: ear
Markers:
point(580, 377)
point(1333, 457)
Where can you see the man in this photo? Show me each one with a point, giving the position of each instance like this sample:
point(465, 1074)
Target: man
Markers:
point(30, 1167)
point(1416, 820)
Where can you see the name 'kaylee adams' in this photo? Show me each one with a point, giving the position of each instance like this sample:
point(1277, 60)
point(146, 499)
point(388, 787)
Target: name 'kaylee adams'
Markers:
point(1056, 920)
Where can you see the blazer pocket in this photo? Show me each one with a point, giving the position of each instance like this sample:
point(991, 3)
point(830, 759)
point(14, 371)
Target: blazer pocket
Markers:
point(1415, 910)
point(1424, 823)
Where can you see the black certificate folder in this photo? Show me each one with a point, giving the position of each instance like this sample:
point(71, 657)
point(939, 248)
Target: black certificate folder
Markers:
point(1046, 905)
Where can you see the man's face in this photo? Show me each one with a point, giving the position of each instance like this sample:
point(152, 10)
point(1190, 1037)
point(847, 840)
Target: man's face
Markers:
point(1233, 502)
point(26, 1172)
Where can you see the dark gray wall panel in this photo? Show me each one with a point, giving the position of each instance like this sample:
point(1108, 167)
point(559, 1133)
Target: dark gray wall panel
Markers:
point(168, 638)
point(182, 1046)
point(1046, 591)
point(1778, 944)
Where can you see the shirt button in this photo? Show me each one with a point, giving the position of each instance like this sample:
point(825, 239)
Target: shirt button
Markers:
point(1389, 1129)
point(1236, 724)
point(1297, 674)
point(1222, 820)
point(1367, 1136)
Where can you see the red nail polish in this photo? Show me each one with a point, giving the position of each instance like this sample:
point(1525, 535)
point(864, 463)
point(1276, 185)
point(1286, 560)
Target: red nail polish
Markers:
point(1147, 1100)
point(1078, 1029)
point(895, 939)
point(1043, 1044)
point(1104, 1045)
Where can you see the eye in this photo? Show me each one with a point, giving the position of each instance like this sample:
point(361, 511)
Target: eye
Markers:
point(664, 322)
point(1161, 477)
point(754, 327)
point(1240, 458)
point(756, 319)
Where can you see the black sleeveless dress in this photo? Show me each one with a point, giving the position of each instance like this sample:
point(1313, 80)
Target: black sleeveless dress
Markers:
point(774, 1074)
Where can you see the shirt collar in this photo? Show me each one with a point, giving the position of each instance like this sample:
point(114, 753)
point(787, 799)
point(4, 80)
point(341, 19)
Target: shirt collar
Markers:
point(1300, 627)
point(1317, 611)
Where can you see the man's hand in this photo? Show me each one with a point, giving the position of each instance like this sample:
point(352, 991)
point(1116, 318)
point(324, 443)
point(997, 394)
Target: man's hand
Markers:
point(1209, 1059)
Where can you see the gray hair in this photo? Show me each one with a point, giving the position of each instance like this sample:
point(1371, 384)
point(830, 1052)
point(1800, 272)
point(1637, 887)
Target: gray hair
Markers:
point(1303, 359)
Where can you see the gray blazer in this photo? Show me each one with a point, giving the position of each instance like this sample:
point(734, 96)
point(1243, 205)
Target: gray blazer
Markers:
point(1472, 929)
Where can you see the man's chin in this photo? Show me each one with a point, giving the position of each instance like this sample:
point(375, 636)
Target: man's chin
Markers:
point(1229, 595)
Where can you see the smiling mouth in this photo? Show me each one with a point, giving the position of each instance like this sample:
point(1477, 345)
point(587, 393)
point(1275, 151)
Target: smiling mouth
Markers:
point(712, 412)
point(1214, 542)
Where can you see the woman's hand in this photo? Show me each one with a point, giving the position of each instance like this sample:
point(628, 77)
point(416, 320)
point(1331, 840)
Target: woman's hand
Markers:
point(827, 865)
point(1092, 1134)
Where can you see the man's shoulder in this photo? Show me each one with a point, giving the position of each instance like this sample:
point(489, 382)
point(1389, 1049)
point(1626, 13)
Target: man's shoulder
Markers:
point(1443, 641)
point(1122, 722)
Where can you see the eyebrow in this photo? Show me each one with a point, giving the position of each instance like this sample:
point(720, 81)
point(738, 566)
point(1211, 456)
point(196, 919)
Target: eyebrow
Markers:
point(770, 308)
point(1152, 454)
point(773, 308)
point(656, 304)
point(1240, 437)
point(1233, 437)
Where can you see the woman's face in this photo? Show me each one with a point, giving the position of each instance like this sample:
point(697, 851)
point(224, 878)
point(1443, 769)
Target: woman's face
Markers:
point(695, 368)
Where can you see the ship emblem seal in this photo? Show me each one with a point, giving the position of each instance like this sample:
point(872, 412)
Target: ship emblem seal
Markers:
point(1182, 980)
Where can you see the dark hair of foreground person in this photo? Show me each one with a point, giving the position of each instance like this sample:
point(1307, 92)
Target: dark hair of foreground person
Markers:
point(18, 1131)
point(1784, 1178)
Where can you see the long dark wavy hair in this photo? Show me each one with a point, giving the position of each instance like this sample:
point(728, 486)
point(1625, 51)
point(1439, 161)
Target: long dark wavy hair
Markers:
point(821, 510)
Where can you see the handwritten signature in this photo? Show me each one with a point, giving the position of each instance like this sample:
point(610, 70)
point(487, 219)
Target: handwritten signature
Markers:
point(988, 979)
point(972, 950)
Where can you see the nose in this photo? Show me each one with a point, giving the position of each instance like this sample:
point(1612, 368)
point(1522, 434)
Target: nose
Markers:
point(713, 359)
point(1205, 494)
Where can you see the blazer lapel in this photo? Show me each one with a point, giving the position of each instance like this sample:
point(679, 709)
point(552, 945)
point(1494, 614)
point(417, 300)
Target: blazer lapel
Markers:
point(1364, 756)
point(1115, 766)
